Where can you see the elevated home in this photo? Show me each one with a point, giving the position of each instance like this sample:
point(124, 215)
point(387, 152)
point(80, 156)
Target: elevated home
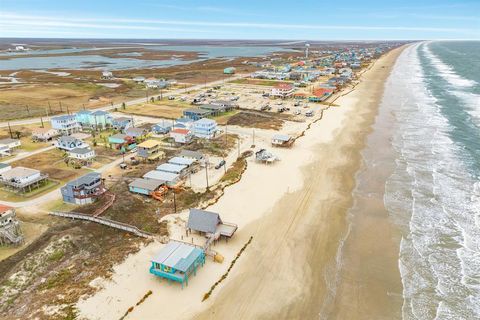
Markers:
point(210, 224)
point(283, 90)
point(226, 105)
point(177, 261)
point(136, 132)
point(66, 124)
point(182, 161)
point(163, 127)
point(170, 179)
point(183, 123)
point(282, 140)
point(204, 128)
point(84, 190)
point(68, 143)
point(22, 179)
point(10, 232)
point(96, 119)
point(178, 169)
point(122, 123)
point(193, 155)
point(229, 70)
point(44, 134)
point(4, 167)
point(5, 151)
point(196, 114)
point(122, 142)
point(107, 75)
point(320, 94)
point(145, 186)
point(213, 109)
point(182, 136)
point(150, 150)
point(83, 155)
point(10, 143)
point(139, 79)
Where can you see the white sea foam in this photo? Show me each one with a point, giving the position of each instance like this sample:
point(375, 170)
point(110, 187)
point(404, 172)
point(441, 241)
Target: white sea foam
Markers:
point(431, 189)
point(447, 71)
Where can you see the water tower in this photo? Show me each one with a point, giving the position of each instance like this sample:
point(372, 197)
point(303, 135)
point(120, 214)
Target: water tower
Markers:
point(307, 45)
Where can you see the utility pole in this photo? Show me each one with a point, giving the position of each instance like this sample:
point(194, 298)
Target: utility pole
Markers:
point(10, 130)
point(174, 201)
point(60, 104)
point(28, 110)
point(206, 171)
point(41, 120)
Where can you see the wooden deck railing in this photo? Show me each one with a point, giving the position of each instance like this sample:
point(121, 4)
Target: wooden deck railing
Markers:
point(107, 222)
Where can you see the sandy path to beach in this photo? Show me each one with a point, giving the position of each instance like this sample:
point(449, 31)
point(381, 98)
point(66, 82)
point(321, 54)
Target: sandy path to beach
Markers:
point(283, 275)
point(295, 210)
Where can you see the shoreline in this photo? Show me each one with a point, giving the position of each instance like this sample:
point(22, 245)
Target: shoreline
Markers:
point(325, 223)
point(285, 214)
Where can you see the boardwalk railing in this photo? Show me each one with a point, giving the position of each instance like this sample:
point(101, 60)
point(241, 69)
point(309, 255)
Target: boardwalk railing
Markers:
point(104, 221)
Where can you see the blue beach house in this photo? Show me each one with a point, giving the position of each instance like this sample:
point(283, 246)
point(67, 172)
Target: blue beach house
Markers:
point(177, 261)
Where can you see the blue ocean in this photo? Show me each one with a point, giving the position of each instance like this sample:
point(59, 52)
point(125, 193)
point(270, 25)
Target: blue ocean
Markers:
point(433, 195)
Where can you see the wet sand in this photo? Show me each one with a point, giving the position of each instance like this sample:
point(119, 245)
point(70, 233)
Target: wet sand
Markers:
point(289, 272)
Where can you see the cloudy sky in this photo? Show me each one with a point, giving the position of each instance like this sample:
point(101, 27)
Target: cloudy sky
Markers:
point(245, 19)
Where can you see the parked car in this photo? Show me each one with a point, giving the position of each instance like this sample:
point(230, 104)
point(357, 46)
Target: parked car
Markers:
point(171, 98)
point(309, 113)
point(297, 112)
point(123, 166)
point(220, 164)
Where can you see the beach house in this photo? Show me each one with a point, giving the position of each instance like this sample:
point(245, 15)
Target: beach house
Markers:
point(320, 94)
point(4, 167)
point(182, 136)
point(107, 75)
point(205, 128)
point(210, 224)
point(122, 142)
point(183, 123)
point(11, 143)
point(44, 134)
point(136, 132)
point(66, 124)
point(169, 178)
point(22, 179)
point(282, 140)
point(83, 155)
point(163, 127)
point(196, 113)
point(150, 150)
point(177, 261)
point(96, 119)
point(122, 123)
point(84, 190)
point(69, 143)
point(229, 70)
point(283, 90)
point(193, 155)
point(10, 232)
point(179, 169)
point(145, 186)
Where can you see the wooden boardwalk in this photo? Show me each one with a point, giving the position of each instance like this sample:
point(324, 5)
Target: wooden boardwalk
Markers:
point(107, 222)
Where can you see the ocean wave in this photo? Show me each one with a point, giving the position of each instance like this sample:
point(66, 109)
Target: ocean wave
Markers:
point(447, 71)
point(435, 202)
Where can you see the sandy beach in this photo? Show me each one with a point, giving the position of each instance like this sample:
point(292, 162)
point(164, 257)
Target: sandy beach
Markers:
point(296, 212)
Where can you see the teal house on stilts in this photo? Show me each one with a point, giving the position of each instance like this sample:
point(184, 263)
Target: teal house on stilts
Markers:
point(177, 261)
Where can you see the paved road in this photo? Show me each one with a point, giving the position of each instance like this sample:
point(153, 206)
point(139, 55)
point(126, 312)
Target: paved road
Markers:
point(128, 103)
point(24, 155)
point(55, 194)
